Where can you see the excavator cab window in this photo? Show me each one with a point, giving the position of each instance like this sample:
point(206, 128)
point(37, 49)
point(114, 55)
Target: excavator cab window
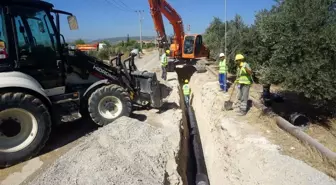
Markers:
point(198, 46)
point(189, 44)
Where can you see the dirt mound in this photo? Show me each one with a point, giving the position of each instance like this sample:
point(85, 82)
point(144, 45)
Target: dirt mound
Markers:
point(125, 152)
point(236, 152)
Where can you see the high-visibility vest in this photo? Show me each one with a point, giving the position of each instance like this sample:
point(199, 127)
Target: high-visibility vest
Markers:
point(186, 89)
point(164, 60)
point(243, 76)
point(222, 67)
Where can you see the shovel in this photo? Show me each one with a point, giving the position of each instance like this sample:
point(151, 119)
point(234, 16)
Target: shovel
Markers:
point(228, 105)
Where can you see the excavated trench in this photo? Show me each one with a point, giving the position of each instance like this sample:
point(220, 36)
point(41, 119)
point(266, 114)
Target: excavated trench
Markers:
point(191, 163)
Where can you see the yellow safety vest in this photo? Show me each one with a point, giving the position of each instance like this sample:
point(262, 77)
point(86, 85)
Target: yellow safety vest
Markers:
point(244, 77)
point(164, 60)
point(222, 67)
point(186, 89)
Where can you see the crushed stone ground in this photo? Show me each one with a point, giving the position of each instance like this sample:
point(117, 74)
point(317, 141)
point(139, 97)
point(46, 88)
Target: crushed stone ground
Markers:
point(236, 153)
point(130, 151)
point(127, 151)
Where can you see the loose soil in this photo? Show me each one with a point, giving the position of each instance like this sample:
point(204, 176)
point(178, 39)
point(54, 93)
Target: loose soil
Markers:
point(323, 129)
point(152, 139)
point(237, 150)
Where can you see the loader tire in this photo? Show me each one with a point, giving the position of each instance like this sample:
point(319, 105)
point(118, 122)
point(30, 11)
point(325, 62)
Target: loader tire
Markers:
point(25, 125)
point(108, 103)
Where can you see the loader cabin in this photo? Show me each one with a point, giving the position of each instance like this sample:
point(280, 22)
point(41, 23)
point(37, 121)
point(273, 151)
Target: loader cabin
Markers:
point(193, 47)
point(29, 39)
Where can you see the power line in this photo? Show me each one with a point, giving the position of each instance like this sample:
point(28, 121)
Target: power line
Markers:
point(116, 5)
point(126, 6)
point(125, 9)
point(122, 5)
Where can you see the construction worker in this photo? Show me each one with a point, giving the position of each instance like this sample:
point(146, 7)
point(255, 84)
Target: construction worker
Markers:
point(244, 81)
point(222, 72)
point(186, 91)
point(164, 64)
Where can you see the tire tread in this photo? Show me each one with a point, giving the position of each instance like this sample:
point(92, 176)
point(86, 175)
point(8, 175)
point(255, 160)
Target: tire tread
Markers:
point(19, 98)
point(95, 97)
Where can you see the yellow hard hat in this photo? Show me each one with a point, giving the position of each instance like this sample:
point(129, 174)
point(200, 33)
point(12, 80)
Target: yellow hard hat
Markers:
point(167, 51)
point(186, 81)
point(239, 57)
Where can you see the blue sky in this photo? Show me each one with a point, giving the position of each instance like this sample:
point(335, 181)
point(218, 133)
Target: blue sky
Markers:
point(104, 18)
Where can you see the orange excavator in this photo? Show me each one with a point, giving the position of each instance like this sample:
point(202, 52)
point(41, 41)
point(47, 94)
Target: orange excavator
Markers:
point(182, 47)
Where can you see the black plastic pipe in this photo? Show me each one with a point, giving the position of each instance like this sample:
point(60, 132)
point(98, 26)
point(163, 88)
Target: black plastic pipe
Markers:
point(195, 140)
point(305, 138)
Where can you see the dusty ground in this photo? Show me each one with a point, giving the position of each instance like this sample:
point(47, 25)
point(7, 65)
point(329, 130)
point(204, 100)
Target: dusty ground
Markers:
point(69, 137)
point(323, 122)
point(142, 150)
point(62, 139)
point(125, 152)
point(323, 129)
point(236, 151)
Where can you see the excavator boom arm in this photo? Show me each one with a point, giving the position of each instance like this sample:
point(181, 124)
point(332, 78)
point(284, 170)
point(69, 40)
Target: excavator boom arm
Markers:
point(162, 6)
point(158, 21)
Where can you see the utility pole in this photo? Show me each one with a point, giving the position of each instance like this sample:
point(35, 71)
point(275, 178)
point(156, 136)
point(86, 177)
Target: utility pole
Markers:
point(141, 19)
point(219, 39)
point(225, 50)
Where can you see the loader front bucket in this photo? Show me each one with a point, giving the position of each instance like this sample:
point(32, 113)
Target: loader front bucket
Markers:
point(150, 89)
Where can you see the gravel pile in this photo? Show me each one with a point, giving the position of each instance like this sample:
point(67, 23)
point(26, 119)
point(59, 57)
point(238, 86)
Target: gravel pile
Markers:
point(126, 152)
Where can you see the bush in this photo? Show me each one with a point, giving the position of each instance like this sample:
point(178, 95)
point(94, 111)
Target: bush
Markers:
point(104, 53)
point(112, 50)
point(303, 47)
point(93, 53)
point(293, 44)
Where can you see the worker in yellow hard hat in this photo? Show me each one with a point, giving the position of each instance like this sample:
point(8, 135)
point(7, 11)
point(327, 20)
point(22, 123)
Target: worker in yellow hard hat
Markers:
point(244, 81)
point(186, 91)
point(164, 64)
point(222, 72)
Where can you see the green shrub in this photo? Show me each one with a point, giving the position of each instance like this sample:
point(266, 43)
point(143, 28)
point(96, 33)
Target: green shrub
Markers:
point(293, 44)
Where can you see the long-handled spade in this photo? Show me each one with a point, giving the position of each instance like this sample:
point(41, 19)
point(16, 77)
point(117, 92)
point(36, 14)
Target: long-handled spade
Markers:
point(228, 105)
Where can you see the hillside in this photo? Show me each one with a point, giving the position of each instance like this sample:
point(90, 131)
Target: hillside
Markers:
point(119, 39)
point(113, 40)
